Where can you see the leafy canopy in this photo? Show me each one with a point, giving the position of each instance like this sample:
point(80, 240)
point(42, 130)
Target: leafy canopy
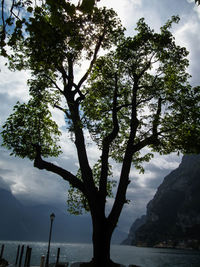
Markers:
point(30, 125)
point(68, 35)
point(153, 95)
point(16, 13)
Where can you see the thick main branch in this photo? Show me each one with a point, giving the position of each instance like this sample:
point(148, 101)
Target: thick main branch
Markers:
point(107, 142)
point(66, 175)
point(120, 199)
point(86, 170)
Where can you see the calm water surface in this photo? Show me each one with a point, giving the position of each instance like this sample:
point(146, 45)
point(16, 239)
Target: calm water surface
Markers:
point(144, 257)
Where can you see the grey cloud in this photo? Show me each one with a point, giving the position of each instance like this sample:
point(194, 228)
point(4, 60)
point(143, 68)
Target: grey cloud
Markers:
point(4, 185)
point(5, 171)
point(158, 178)
point(29, 183)
point(6, 105)
point(165, 9)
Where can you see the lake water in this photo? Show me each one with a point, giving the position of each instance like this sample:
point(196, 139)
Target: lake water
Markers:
point(144, 257)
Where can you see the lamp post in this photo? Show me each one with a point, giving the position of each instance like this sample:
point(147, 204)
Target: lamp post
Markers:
point(52, 217)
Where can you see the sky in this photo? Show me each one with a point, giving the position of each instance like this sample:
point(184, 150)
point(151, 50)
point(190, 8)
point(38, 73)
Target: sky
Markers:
point(30, 185)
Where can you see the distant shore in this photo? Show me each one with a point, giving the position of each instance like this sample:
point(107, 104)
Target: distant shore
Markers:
point(192, 244)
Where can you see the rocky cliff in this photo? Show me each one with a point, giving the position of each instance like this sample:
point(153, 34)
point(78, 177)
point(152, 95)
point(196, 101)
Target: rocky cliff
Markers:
point(173, 216)
point(135, 226)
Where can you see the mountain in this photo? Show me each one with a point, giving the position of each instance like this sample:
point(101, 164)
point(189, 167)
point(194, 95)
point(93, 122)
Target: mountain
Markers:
point(173, 215)
point(135, 226)
point(19, 222)
point(32, 223)
point(12, 219)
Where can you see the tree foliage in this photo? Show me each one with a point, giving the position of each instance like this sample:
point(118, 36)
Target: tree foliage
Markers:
point(13, 14)
point(29, 126)
point(146, 73)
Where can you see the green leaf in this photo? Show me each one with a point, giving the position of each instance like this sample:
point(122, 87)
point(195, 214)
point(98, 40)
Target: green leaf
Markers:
point(30, 9)
point(70, 8)
point(87, 6)
point(9, 21)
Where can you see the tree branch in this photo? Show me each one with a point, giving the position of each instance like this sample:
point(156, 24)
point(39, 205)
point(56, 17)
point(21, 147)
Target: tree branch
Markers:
point(3, 20)
point(144, 70)
point(107, 142)
point(70, 71)
point(62, 109)
point(4, 23)
point(54, 83)
point(68, 80)
point(64, 75)
point(86, 170)
point(98, 45)
point(123, 106)
point(156, 119)
point(67, 176)
point(153, 138)
point(144, 100)
point(120, 198)
point(148, 65)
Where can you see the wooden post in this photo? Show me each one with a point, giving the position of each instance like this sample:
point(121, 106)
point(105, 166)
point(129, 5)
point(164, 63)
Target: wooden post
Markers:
point(58, 256)
point(2, 250)
point(21, 255)
point(17, 256)
point(26, 256)
point(42, 261)
point(29, 257)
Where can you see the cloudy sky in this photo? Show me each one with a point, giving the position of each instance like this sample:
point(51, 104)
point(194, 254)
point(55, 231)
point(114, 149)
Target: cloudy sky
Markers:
point(29, 184)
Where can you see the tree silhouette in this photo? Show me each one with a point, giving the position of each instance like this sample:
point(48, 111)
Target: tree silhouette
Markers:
point(134, 97)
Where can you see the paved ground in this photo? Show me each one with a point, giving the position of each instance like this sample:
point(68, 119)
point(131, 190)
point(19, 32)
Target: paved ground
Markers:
point(77, 264)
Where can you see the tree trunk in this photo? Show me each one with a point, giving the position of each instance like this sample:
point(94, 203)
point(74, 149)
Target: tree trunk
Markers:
point(102, 233)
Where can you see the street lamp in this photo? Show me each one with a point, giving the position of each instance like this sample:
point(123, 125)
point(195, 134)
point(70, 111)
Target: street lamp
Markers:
point(52, 217)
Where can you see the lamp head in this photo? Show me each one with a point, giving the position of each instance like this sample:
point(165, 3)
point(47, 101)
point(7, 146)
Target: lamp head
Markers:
point(52, 216)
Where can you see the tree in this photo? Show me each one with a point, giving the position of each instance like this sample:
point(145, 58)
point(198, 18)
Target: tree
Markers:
point(135, 96)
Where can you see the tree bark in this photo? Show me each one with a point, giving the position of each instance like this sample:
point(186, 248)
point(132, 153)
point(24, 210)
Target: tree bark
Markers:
point(102, 233)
